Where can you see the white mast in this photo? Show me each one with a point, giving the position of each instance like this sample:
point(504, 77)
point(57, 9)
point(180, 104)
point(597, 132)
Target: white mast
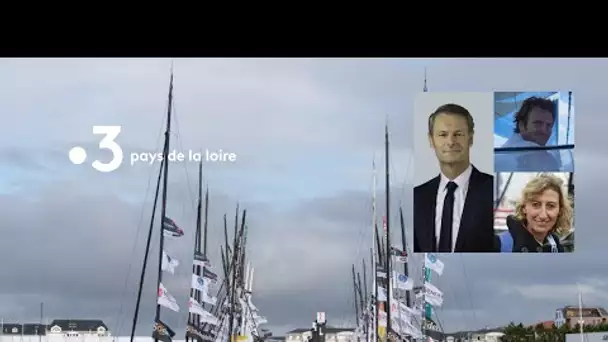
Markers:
point(580, 313)
point(374, 309)
point(250, 316)
point(250, 287)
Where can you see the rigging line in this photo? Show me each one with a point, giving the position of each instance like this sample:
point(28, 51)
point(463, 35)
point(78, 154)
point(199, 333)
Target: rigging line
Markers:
point(221, 296)
point(120, 321)
point(456, 299)
point(503, 191)
point(585, 334)
point(179, 142)
point(393, 175)
point(417, 274)
point(220, 307)
point(466, 277)
point(362, 234)
point(393, 179)
point(347, 318)
point(252, 316)
point(407, 170)
point(441, 309)
point(216, 310)
point(439, 323)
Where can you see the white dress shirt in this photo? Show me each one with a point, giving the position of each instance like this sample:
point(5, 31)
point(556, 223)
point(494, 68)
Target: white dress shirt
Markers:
point(460, 194)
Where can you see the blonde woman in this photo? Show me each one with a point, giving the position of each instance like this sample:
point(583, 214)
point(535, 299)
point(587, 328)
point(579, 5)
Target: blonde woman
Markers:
point(543, 214)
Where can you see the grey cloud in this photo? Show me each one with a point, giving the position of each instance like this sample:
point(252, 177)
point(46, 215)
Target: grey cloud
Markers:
point(308, 251)
point(216, 110)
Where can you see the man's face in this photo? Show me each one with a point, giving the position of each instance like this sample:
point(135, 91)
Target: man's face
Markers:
point(451, 139)
point(538, 127)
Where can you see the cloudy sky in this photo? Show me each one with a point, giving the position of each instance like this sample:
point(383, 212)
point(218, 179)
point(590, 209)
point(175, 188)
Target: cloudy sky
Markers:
point(305, 133)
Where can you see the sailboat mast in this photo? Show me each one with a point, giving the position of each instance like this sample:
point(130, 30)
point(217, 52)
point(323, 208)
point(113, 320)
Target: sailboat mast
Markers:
point(151, 228)
point(580, 315)
point(164, 195)
point(365, 300)
point(360, 291)
point(379, 250)
point(234, 267)
point(371, 325)
point(356, 297)
point(375, 252)
point(405, 265)
point(228, 250)
point(41, 319)
point(193, 318)
point(199, 208)
point(142, 275)
point(206, 224)
point(425, 88)
point(388, 230)
point(206, 221)
point(241, 242)
point(243, 255)
point(366, 297)
point(236, 228)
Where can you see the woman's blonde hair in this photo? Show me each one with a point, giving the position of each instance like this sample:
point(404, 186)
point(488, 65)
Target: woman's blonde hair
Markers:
point(535, 188)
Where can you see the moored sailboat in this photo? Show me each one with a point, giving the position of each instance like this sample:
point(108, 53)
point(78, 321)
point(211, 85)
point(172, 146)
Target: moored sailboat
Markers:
point(168, 229)
point(203, 276)
point(230, 313)
point(389, 313)
point(236, 317)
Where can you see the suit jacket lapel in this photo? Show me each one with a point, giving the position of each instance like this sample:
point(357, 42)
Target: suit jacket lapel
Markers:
point(467, 221)
point(431, 206)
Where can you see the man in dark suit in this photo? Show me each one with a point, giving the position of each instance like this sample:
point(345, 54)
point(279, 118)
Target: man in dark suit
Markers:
point(454, 211)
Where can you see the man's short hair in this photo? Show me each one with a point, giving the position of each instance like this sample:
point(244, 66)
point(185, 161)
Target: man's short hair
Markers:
point(452, 109)
point(530, 103)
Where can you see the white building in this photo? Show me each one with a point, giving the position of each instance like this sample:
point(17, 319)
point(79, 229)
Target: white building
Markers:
point(331, 335)
point(588, 337)
point(479, 336)
point(60, 330)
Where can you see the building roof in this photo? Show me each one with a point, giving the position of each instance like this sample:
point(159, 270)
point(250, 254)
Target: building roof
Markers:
point(11, 328)
point(78, 324)
point(34, 329)
point(587, 311)
point(545, 324)
point(25, 329)
point(298, 331)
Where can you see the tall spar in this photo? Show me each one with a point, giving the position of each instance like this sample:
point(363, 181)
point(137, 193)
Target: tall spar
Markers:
point(388, 230)
point(167, 228)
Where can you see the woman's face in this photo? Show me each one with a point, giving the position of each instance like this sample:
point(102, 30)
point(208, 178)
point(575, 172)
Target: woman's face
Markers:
point(542, 211)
